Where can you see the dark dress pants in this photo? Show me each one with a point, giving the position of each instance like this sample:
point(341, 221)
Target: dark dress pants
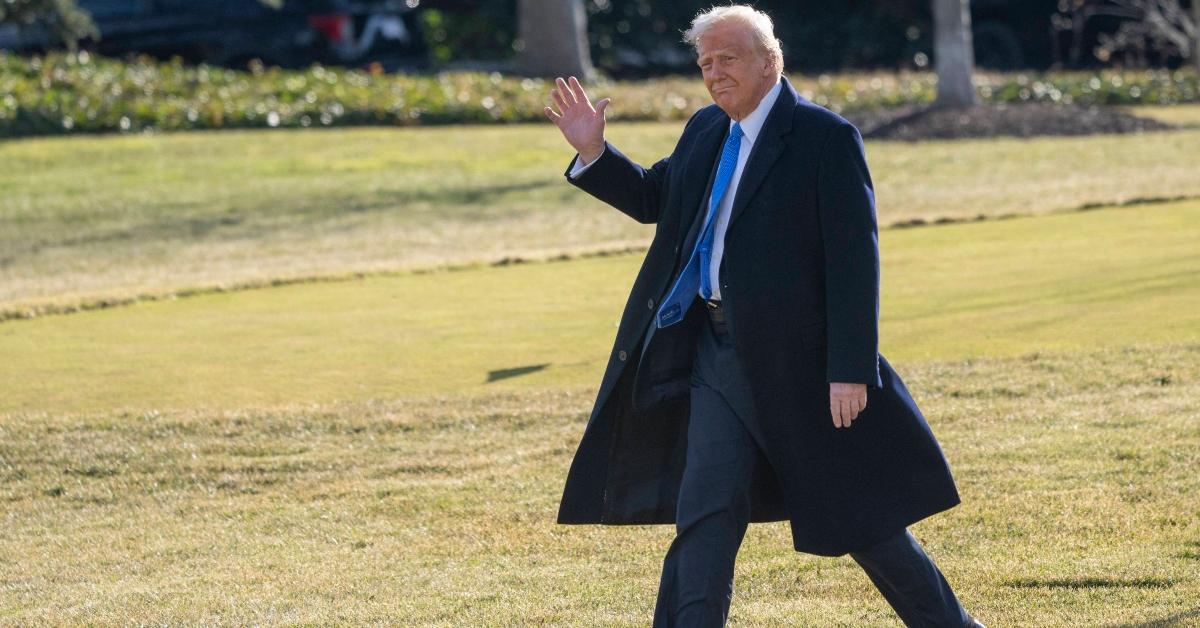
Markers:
point(723, 454)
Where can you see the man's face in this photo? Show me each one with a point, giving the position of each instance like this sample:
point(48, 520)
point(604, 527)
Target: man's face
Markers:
point(736, 71)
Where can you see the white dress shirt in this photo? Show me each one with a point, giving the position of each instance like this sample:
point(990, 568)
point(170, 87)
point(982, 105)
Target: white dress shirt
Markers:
point(751, 126)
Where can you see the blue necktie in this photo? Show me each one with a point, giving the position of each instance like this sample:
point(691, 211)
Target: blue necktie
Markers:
point(695, 275)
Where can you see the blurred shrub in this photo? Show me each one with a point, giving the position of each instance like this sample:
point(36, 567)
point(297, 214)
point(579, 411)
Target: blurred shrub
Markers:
point(64, 93)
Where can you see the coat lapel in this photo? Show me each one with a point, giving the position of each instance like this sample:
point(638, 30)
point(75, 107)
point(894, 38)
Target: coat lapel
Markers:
point(698, 179)
point(767, 149)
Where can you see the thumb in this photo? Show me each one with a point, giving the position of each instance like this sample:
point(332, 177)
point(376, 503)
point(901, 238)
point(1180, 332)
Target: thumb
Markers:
point(602, 105)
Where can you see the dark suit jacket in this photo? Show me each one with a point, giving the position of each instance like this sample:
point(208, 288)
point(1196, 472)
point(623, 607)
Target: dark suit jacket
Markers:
point(800, 283)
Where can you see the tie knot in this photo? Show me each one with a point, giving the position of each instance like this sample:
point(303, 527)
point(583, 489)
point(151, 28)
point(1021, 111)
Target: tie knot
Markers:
point(736, 131)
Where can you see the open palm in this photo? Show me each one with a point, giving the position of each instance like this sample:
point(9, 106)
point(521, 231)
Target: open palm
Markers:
point(581, 124)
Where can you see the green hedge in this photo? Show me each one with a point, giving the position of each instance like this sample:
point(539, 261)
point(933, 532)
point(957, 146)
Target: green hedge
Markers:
point(64, 93)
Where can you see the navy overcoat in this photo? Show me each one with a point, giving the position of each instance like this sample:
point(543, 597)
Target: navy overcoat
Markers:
point(800, 284)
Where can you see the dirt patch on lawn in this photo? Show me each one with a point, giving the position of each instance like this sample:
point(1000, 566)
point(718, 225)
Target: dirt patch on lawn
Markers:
point(1003, 120)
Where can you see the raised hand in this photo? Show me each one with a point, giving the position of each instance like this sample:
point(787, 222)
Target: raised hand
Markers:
point(581, 124)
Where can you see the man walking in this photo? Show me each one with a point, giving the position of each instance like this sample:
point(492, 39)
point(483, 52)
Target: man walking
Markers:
point(745, 383)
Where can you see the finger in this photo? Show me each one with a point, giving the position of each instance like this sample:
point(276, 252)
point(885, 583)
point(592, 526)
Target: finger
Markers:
point(835, 409)
point(552, 114)
point(564, 91)
point(853, 409)
point(559, 100)
point(560, 94)
point(577, 91)
point(847, 413)
point(602, 105)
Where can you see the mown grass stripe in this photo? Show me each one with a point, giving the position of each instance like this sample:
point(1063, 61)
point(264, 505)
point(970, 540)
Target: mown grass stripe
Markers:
point(103, 220)
point(29, 311)
point(1056, 283)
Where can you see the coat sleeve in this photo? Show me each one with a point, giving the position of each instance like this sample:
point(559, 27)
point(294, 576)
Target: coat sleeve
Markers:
point(618, 181)
point(846, 200)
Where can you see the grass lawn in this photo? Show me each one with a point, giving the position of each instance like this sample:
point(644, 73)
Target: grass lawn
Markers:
point(391, 449)
point(328, 453)
point(87, 219)
point(1077, 470)
point(993, 288)
point(1187, 116)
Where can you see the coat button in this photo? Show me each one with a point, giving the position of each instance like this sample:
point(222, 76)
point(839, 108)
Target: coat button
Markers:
point(650, 304)
point(676, 249)
point(622, 356)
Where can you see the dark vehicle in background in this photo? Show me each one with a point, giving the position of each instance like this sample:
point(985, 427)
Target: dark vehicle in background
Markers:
point(296, 33)
point(1013, 34)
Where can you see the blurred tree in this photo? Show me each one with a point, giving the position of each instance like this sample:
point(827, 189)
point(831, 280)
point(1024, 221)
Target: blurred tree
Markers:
point(1196, 34)
point(64, 21)
point(1153, 26)
point(641, 38)
point(1150, 31)
point(552, 39)
point(953, 53)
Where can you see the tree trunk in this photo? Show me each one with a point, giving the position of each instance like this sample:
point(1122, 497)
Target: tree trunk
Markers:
point(1196, 35)
point(553, 36)
point(953, 53)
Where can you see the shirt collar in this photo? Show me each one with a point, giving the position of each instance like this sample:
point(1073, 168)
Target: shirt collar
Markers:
point(753, 123)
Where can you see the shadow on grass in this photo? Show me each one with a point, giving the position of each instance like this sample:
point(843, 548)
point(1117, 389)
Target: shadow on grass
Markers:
point(1178, 619)
point(1090, 583)
point(268, 215)
point(517, 371)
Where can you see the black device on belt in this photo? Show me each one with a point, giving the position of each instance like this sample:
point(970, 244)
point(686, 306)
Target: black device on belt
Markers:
point(716, 313)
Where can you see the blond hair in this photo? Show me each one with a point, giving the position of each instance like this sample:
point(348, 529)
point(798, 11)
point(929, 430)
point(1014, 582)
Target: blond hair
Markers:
point(761, 26)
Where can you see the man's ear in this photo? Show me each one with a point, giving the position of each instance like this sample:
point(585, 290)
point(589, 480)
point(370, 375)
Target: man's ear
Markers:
point(768, 65)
